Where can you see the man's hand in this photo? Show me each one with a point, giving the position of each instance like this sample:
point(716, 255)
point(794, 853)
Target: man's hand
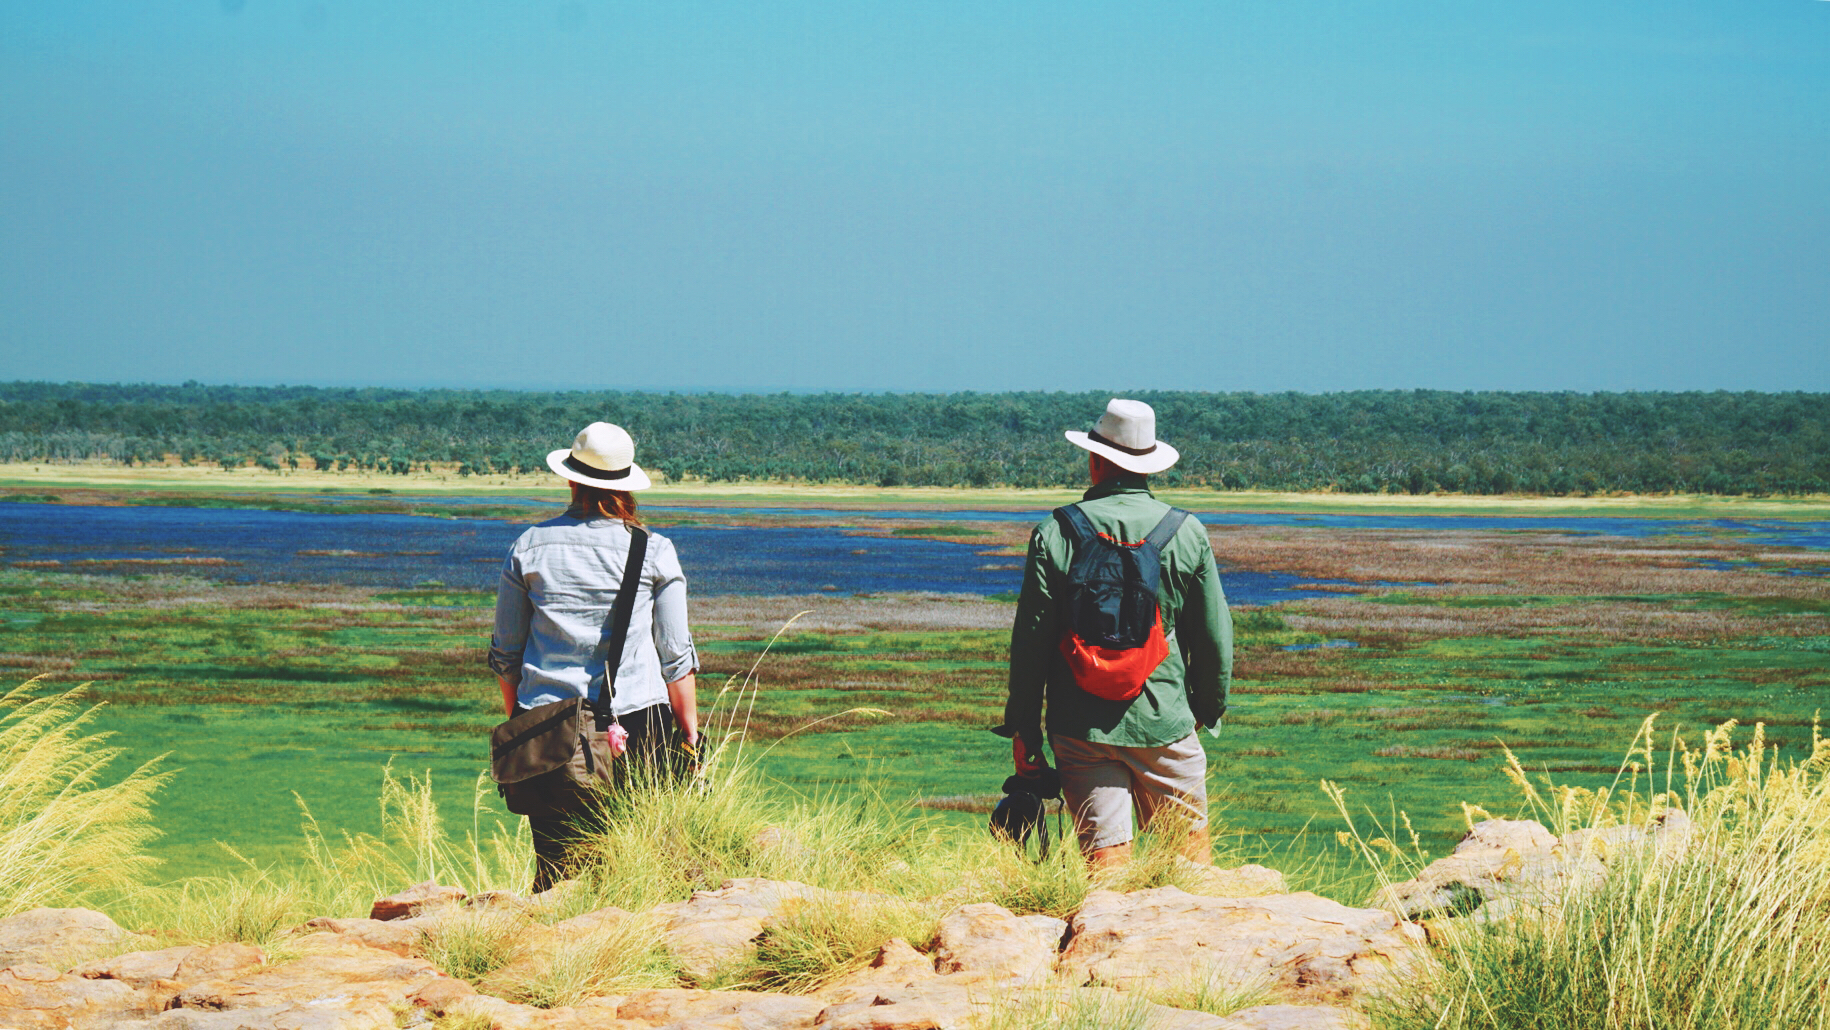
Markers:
point(1028, 760)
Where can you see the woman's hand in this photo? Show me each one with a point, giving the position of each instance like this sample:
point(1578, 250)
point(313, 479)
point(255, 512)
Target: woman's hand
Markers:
point(509, 694)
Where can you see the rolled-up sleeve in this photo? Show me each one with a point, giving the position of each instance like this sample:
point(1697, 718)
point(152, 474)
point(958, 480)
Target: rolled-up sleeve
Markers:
point(673, 635)
point(513, 613)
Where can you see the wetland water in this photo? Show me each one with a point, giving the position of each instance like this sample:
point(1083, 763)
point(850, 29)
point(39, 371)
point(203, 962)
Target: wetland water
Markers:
point(256, 546)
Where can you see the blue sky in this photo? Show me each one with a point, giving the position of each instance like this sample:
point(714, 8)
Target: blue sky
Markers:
point(937, 196)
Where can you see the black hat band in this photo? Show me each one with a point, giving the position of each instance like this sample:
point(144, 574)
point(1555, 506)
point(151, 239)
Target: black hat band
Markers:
point(583, 469)
point(1094, 436)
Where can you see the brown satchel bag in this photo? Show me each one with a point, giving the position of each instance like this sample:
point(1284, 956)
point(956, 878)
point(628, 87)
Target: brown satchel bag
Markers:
point(543, 758)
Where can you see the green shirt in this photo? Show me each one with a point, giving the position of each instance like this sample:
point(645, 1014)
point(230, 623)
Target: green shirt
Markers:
point(1189, 688)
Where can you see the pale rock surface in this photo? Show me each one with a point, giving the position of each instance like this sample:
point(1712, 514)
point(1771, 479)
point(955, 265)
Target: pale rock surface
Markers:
point(1668, 832)
point(1503, 867)
point(415, 898)
point(900, 990)
point(354, 976)
point(142, 969)
point(400, 936)
point(1496, 858)
point(590, 1014)
point(360, 1015)
point(591, 922)
point(1246, 881)
point(989, 939)
point(1303, 945)
point(713, 929)
point(138, 969)
point(1296, 1017)
point(934, 1004)
point(34, 996)
point(56, 936)
point(748, 1010)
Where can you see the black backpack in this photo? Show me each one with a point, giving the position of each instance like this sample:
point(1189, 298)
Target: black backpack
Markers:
point(1114, 638)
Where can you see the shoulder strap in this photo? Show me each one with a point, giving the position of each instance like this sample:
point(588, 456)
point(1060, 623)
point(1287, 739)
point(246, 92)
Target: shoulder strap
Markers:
point(620, 614)
point(1166, 530)
point(1075, 524)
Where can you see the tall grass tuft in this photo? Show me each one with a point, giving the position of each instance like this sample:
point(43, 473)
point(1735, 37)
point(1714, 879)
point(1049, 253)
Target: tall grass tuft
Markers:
point(1728, 930)
point(66, 832)
point(628, 955)
point(339, 876)
point(817, 941)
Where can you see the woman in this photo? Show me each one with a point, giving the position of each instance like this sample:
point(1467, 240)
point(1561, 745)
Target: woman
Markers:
point(558, 586)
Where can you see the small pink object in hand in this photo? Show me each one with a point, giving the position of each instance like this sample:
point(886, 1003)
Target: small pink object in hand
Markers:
point(617, 738)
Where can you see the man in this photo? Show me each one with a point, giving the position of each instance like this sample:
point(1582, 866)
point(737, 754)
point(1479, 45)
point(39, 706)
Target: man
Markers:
point(1142, 751)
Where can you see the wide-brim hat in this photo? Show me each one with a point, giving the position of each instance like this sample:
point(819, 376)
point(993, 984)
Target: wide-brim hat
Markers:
point(602, 456)
point(1126, 436)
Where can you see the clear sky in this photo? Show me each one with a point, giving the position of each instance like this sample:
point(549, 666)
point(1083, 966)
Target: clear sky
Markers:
point(692, 195)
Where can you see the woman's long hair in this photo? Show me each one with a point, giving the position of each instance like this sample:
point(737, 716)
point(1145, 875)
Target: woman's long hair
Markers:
point(613, 504)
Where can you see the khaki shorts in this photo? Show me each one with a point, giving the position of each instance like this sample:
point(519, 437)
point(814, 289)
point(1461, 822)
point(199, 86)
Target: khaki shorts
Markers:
point(1101, 782)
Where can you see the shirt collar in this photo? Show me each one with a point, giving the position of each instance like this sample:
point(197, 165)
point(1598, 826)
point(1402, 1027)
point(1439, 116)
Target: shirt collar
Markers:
point(1123, 483)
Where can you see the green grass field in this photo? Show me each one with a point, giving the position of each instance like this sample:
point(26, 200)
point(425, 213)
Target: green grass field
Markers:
point(258, 693)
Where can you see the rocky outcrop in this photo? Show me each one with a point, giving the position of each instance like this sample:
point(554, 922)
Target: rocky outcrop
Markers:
point(414, 899)
point(1246, 881)
point(716, 930)
point(178, 965)
point(1502, 867)
point(34, 996)
point(56, 936)
point(990, 940)
point(1317, 957)
point(1302, 945)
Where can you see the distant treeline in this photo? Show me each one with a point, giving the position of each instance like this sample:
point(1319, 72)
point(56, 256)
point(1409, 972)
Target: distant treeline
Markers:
point(1416, 441)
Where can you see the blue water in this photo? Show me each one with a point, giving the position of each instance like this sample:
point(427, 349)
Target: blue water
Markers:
point(1815, 535)
point(252, 546)
point(408, 550)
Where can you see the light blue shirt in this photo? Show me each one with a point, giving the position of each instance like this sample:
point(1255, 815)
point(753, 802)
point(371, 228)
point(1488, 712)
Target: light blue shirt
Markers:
point(558, 585)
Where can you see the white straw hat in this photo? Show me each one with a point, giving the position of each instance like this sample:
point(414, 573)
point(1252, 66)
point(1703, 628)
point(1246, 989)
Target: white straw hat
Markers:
point(1126, 436)
point(603, 455)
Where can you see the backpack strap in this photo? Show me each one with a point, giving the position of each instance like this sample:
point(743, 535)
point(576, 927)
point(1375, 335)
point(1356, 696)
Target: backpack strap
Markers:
point(618, 626)
point(1166, 530)
point(1075, 524)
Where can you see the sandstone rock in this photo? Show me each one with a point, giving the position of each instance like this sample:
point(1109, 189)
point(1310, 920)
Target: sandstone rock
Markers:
point(354, 1016)
point(1502, 867)
point(590, 922)
point(400, 936)
point(1246, 881)
point(1162, 1017)
point(34, 996)
point(932, 1004)
point(497, 899)
point(1296, 1017)
point(354, 976)
point(749, 1010)
point(218, 960)
point(56, 936)
point(591, 1014)
point(897, 964)
point(442, 995)
point(989, 939)
point(413, 899)
point(189, 964)
point(1301, 944)
point(714, 929)
point(137, 969)
point(1668, 833)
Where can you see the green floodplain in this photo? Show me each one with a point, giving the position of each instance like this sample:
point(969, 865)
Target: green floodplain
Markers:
point(1556, 647)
